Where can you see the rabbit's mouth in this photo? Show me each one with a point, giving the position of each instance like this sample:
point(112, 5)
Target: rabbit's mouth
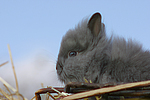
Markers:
point(71, 78)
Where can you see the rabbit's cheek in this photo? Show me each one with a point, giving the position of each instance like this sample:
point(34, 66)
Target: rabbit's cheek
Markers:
point(73, 71)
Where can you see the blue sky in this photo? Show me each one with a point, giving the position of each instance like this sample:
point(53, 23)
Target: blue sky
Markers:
point(34, 29)
point(36, 25)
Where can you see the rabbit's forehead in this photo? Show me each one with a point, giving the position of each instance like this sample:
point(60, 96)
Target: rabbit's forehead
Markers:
point(69, 42)
point(73, 42)
point(74, 37)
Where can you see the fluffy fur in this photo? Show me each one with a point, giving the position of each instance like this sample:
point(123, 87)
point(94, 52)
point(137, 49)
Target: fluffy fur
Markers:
point(98, 58)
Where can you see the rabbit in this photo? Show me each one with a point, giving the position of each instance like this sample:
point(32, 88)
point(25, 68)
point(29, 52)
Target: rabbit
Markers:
point(87, 53)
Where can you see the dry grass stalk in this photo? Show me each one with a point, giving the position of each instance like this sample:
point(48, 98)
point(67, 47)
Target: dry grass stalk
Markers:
point(7, 89)
point(33, 98)
point(3, 63)
point(50, 96)
point(5, 94)
point(17, 92)
point(106, 90)
point(11, 95)
point(8, 85)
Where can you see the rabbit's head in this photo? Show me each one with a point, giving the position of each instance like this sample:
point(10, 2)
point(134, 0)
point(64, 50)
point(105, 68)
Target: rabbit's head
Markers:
point(83, 52)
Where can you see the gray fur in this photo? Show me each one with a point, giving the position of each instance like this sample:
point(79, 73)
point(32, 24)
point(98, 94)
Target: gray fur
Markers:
point(100, 59)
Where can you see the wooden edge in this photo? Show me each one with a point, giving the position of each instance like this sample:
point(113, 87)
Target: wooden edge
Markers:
point(106, 90)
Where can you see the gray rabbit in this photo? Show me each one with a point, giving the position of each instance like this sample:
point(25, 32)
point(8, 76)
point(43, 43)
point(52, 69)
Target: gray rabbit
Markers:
point(86, 52)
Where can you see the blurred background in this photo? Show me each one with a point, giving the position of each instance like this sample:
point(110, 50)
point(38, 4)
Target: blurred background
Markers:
point(34, 29)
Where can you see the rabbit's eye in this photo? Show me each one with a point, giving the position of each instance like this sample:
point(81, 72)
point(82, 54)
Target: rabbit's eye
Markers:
point(72, 53)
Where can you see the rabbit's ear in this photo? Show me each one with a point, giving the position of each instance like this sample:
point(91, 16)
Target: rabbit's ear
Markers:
point(94, 24)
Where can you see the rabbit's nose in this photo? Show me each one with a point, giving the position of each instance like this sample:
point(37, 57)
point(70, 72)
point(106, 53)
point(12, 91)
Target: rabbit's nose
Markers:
point(59, 66)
